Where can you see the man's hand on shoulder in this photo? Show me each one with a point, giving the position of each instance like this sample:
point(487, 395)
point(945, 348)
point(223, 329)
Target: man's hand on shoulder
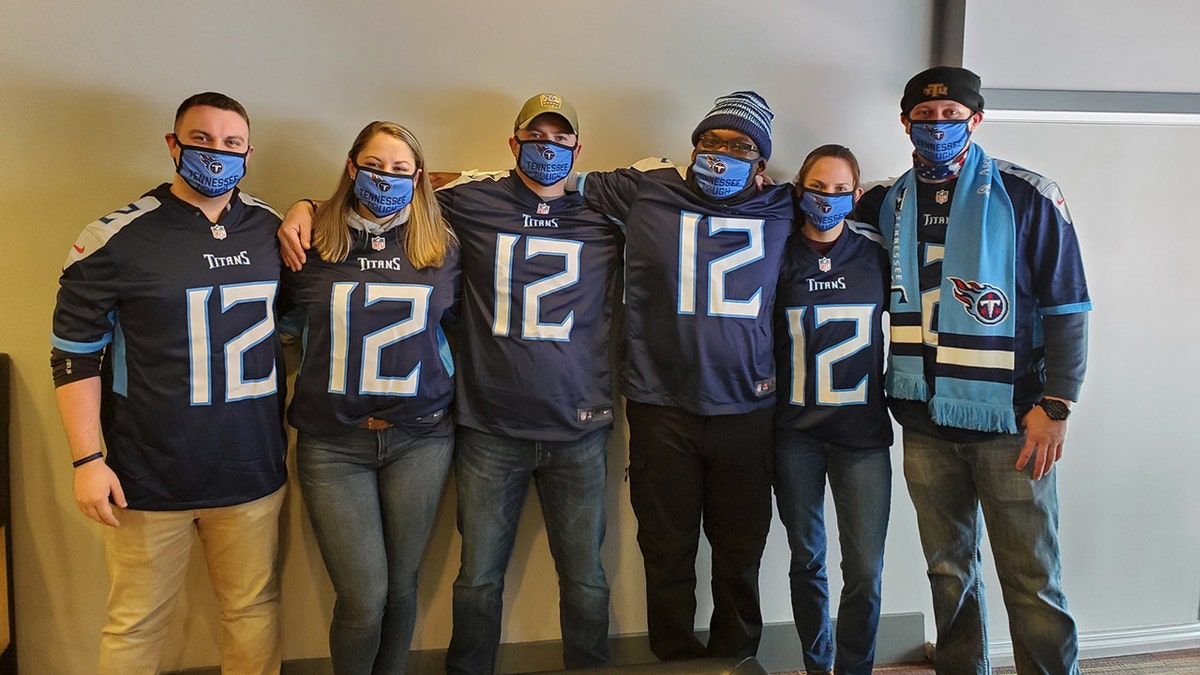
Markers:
point(295, 235)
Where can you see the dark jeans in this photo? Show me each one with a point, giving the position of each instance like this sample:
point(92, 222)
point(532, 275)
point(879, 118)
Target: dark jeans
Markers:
point(685, 470)
point(493, 475)
point(861, 483)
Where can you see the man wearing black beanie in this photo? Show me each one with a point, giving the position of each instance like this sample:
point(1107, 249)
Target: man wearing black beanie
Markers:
point(988, 351)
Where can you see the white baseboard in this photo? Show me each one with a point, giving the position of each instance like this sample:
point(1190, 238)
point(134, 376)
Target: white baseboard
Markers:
point(1102, 644)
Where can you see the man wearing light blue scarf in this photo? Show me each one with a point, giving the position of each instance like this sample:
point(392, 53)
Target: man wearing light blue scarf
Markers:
point(988, 350)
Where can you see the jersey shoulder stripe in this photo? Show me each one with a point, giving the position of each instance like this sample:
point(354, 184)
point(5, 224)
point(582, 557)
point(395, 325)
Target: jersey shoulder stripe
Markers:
point(252, 201)
point(654, 163)
point(867, 231)
point(96, 234)
point(475, 175)
point(1041, 184)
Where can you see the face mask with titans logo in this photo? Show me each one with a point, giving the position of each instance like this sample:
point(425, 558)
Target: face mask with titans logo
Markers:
point(939, 142)
point(826, 209)
point(545, 163)
point(210, 172)
point(383, 193)
point(721, 176)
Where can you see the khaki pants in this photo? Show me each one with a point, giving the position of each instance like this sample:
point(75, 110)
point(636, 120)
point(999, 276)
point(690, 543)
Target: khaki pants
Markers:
point(147, 560)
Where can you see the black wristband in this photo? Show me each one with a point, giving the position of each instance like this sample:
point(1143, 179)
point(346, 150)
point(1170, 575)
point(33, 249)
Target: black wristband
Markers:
point(311, 203)
point(90, 458)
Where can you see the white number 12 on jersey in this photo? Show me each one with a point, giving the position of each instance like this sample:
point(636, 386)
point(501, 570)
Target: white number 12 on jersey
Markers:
point(826, 395)
point(718, 303)
point(532, 328)
point(237, 387)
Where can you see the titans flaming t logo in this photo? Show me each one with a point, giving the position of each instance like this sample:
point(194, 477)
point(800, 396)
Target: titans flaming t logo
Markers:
point(824, 206)
point(717, 166)
point(545, 151)
point(380, 183)
point(214, 165)
point(938, 134)
point(984, 302)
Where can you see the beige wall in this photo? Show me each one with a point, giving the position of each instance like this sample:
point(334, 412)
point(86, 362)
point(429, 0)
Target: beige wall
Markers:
point(88, 89)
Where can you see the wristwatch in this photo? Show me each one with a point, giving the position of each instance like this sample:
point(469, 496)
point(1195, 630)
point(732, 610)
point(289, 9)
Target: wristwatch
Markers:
point(1055, 409)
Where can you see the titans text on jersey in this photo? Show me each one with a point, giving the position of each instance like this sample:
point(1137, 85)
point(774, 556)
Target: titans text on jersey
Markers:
point(538, 284)
point(700, 284)
point(1049, 275)
point(184, 311)
point(829, 345)
point(373, 340)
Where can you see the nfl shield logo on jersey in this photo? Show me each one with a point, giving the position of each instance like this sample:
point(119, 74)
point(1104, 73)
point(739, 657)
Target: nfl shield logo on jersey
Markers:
point(543, 209)
point(941, 196)
point(824, 264)
point(378, 243)
point(218, 232)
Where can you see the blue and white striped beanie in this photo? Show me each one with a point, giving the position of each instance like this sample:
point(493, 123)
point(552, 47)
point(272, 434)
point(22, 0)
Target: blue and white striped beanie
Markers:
point(743, 111)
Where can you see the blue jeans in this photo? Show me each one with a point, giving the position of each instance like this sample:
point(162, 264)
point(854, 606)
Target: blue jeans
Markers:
point(861, 483)
point(493, 475)
point(950, 484)
point(372, 497)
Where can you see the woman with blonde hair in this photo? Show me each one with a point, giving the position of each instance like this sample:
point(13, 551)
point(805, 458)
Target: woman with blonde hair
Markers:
point(374, 390)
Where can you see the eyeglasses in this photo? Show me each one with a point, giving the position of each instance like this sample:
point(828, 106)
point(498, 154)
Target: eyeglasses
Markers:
point(739, 149)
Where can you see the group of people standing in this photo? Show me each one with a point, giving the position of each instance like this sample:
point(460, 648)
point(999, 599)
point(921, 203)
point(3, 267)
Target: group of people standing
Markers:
point(470, 327)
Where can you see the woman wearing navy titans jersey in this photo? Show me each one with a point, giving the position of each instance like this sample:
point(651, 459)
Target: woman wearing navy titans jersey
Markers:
point(831, 419)
point(374, 389)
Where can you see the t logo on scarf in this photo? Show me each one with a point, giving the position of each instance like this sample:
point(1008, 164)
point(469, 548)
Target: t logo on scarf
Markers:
point(984, 302)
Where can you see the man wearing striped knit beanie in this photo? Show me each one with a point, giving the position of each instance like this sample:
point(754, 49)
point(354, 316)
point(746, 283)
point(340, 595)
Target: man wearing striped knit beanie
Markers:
point(703, 251)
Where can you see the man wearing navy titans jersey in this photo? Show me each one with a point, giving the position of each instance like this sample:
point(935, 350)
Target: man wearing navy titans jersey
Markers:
point(988, 350)
point(533, 394)
point(164, 343)
point(702, 259)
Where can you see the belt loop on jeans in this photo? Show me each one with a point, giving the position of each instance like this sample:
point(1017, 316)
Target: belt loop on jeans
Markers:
point(375, 424)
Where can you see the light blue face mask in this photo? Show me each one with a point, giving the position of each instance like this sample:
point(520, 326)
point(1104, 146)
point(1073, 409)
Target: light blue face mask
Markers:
point(939, 141)
point(545, 163)
point(826, 209)
point(721, 176)
point(381, 192)
point(210, 172)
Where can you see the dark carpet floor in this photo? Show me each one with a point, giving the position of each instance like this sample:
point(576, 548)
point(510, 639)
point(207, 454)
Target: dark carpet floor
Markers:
point(1184, 662)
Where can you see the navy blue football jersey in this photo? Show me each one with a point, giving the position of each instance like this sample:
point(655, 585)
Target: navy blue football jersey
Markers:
point(538, 284)
point(700, 283)
point(1049, 278)
point(184, 311)
point(829, 346)
point(373, 339)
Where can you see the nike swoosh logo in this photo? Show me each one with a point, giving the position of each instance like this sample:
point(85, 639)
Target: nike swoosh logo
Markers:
point(77, 247)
